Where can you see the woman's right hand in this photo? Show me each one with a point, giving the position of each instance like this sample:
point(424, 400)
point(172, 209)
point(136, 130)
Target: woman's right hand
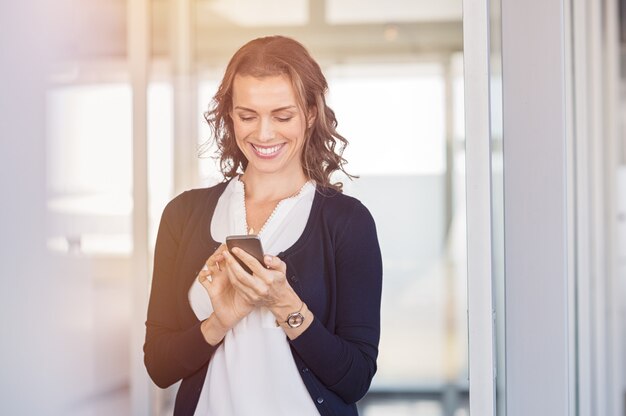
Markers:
point(229, 306)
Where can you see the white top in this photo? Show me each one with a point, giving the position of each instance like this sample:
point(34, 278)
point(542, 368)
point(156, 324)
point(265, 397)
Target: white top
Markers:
point(253, 371)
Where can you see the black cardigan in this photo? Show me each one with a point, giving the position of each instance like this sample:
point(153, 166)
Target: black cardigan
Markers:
point(335, 267)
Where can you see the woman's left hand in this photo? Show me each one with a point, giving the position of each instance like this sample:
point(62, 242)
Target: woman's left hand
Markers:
point(267, 285)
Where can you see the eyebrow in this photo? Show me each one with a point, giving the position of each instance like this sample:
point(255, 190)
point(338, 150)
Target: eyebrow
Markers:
point(276, 110)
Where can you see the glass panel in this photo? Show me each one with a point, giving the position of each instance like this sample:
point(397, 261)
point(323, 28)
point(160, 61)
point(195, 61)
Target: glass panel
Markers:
point(160, 152)
point(393, 94)
point(422, 407)
point(90, 203)
point(90, 170)
point(423, 249)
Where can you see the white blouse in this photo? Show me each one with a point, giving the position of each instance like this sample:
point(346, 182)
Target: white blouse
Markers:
point(253, 372)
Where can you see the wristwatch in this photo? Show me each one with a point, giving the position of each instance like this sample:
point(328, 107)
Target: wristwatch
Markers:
point(295, 319)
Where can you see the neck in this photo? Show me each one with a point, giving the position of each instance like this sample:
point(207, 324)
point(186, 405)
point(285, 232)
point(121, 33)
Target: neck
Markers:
point(269, 187)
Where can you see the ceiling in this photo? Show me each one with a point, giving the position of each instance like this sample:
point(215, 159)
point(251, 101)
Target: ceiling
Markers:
point(332, 29)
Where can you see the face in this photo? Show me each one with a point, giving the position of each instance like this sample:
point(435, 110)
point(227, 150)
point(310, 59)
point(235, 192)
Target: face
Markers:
point(269, 126)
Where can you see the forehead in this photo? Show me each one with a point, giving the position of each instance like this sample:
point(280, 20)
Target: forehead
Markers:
point(263, 93)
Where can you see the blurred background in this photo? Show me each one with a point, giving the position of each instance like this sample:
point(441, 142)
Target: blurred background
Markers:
point(102, 125)
point(395, 75)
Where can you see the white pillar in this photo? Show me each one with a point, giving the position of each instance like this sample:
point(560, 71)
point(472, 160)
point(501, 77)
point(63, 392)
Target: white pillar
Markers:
point(478, 188)
point(539, 378)
point(186, 114)
point(34, 369)
point(138, 61)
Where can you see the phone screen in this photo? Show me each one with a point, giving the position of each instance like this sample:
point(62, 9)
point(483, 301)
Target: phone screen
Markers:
point(251, 244)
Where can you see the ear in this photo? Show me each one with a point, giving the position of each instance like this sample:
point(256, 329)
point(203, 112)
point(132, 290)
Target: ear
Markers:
point(312, 116)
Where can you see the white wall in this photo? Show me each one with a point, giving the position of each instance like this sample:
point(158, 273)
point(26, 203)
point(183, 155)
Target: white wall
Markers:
point(27, 294)
point(60, 321)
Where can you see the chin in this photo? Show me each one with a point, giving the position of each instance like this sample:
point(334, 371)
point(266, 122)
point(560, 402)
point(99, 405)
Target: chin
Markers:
point(272, 167)
point(266, 170)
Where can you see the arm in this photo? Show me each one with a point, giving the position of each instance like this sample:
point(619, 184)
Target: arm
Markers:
point(346, 360)
point(171, 352)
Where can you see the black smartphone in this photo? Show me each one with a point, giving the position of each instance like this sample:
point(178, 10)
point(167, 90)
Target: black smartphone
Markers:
point(251, 244)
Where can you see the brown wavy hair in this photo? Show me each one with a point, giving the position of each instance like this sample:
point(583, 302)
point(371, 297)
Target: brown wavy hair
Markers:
point(278, 55)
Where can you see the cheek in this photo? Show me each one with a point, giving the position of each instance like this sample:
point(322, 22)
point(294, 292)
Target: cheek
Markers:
point(297, 132)
point(239, 136)
point(240, 131)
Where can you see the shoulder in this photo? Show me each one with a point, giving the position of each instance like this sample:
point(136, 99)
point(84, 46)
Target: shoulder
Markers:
point(342, 209)
point(352, 229)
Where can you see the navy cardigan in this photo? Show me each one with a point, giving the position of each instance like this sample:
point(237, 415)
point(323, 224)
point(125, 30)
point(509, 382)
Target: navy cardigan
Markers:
point(335, 267)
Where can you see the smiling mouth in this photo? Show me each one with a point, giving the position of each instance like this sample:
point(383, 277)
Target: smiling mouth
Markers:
point(267, 151)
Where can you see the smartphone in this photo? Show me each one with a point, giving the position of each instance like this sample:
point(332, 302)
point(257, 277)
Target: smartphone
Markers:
point(251, 244)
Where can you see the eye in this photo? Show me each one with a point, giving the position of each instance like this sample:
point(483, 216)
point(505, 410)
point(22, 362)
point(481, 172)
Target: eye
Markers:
point(246, 118)
point(284, 117)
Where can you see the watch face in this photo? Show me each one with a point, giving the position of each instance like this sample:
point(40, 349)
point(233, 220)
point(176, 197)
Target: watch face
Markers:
point(294, 320)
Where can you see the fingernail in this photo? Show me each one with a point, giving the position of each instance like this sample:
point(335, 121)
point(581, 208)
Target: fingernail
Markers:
point(269, 259)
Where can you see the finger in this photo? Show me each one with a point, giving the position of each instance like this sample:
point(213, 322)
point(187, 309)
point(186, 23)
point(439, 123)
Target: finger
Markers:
point(208, 271)
point(275, 263)
point(254, 265)
point(217, 267)
point(240, 278)
point(245, 291)
point(237, 274)
point(249, 295)
point(205, 277)
point(215, 259)
point(231, 262)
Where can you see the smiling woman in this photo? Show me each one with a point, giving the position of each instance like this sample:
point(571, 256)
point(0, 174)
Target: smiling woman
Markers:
point(300, 333)
point(278, 71)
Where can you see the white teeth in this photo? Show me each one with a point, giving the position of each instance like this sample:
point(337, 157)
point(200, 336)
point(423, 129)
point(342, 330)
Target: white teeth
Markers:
point(266, 151)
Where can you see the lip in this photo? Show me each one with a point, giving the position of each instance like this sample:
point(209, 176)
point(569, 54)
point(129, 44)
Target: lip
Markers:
point(255, 148)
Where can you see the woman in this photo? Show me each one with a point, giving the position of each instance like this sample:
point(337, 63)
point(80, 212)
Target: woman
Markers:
point(299, 335)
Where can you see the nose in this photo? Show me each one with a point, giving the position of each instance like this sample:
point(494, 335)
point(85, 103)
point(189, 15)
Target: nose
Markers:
point(267, 132)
